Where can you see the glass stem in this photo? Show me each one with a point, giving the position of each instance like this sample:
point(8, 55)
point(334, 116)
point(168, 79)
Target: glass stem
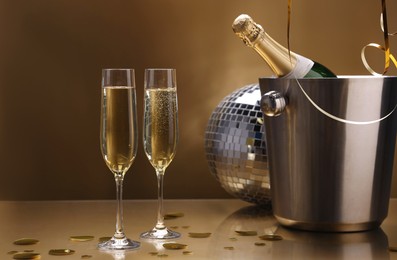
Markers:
point(119, 234)
point(160, 213)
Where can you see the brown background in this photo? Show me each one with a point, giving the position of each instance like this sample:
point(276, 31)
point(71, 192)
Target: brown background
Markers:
point(52, 52)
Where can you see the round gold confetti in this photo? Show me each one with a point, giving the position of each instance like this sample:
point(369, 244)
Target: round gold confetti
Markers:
point(26, 241)
point(393, 248)
point(246, 233)
point(260, 244)
point(153, 253)
point(61, 252)
point(81, 238)
point(187, 252)
point(271, 237)
point(185, 227)
point(162, 255)
point(173, 215)
point(86, 256)
point(26, 255)
point(12, 252)
point(174, 246)
point(199, 235)
point(232, 239)
point(229, 247)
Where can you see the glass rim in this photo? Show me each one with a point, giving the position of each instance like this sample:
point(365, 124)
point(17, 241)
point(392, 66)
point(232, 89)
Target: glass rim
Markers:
point(164, 69)
point(120, 69)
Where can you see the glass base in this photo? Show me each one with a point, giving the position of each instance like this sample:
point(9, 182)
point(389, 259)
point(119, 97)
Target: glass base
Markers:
point(164, 233)
point(119, 244)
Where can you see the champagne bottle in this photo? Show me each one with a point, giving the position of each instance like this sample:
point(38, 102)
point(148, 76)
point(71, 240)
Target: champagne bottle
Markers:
point(282, 62)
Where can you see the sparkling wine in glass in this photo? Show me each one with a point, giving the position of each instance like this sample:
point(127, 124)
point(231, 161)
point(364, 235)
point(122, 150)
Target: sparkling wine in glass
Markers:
point(118, 138)
point(160, 135)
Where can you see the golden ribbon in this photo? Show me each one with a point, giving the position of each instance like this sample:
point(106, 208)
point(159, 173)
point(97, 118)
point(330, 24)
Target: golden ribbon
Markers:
point(385, 49)
point(388, 57)
point(288, 28)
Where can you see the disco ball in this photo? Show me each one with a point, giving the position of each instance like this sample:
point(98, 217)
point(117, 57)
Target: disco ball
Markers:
point(235, 146)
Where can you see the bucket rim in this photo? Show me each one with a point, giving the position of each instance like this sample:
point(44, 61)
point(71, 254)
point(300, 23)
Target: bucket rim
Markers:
point(344, 79)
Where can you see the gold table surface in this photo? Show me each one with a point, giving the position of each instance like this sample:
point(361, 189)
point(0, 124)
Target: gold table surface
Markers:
point(53, 222)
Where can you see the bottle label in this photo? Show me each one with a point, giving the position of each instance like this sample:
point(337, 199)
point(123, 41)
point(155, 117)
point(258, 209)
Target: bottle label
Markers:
point(302, 67)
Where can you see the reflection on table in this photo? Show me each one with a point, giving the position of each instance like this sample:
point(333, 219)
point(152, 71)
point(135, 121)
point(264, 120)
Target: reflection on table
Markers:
point(53, 222)
point(295, 244)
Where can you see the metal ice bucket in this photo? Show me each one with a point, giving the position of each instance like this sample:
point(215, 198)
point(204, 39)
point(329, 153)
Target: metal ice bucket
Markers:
point(330, 147)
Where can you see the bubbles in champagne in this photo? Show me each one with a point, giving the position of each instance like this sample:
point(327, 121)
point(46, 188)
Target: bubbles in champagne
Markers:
point(160, 126)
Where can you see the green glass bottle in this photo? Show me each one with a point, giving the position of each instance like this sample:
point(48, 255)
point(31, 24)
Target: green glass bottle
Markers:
point(282, 62)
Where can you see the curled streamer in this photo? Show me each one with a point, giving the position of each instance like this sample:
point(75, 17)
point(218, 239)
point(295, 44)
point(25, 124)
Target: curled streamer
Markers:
point(388, 57)
point(386, 49)
point(288, 28)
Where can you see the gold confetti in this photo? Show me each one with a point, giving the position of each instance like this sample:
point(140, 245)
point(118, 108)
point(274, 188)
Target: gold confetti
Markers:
point(174, 227)
point(260, 244)
point(187, 252)
point(162, 255)
point(229, 247)
point(26, 241)
point(199, 235)
point(246, 233)
point(185, 227)
point(28, 250)
point(173, 215)
point(86, 256)
point(271, 237)
point(233, 239)
point(26, 255)
point(393, 248)
point(174, 246)
point(61, 252)
point(153, 253)
point(81, 238)
point(104, 239)
point(12, 252)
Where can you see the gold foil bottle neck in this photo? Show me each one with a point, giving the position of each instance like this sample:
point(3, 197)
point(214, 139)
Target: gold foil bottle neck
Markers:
point(245, 28)
point(279, 59)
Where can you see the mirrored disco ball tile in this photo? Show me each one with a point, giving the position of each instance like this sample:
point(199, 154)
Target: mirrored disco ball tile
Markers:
point(236, 148)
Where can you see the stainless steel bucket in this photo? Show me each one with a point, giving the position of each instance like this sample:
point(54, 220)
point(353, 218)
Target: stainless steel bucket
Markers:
point(330, 146)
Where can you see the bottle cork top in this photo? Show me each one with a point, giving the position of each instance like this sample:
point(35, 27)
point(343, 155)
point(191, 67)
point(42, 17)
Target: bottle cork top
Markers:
point(245, 28)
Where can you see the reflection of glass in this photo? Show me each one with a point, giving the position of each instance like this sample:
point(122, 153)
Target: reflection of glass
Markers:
point(160, 135)
point(118, 137)
point(295, 244)
point(157, 244)
point(117, 255)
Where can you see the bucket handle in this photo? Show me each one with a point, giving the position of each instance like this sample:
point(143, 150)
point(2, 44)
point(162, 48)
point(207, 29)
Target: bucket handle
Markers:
point(273, 104)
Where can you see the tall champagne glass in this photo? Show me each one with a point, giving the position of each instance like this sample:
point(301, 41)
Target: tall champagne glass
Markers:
point(160, 135)
point(118, 137)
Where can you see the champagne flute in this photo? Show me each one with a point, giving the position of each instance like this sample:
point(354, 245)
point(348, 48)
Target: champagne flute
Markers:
point(160, 135)
point(118, 136)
